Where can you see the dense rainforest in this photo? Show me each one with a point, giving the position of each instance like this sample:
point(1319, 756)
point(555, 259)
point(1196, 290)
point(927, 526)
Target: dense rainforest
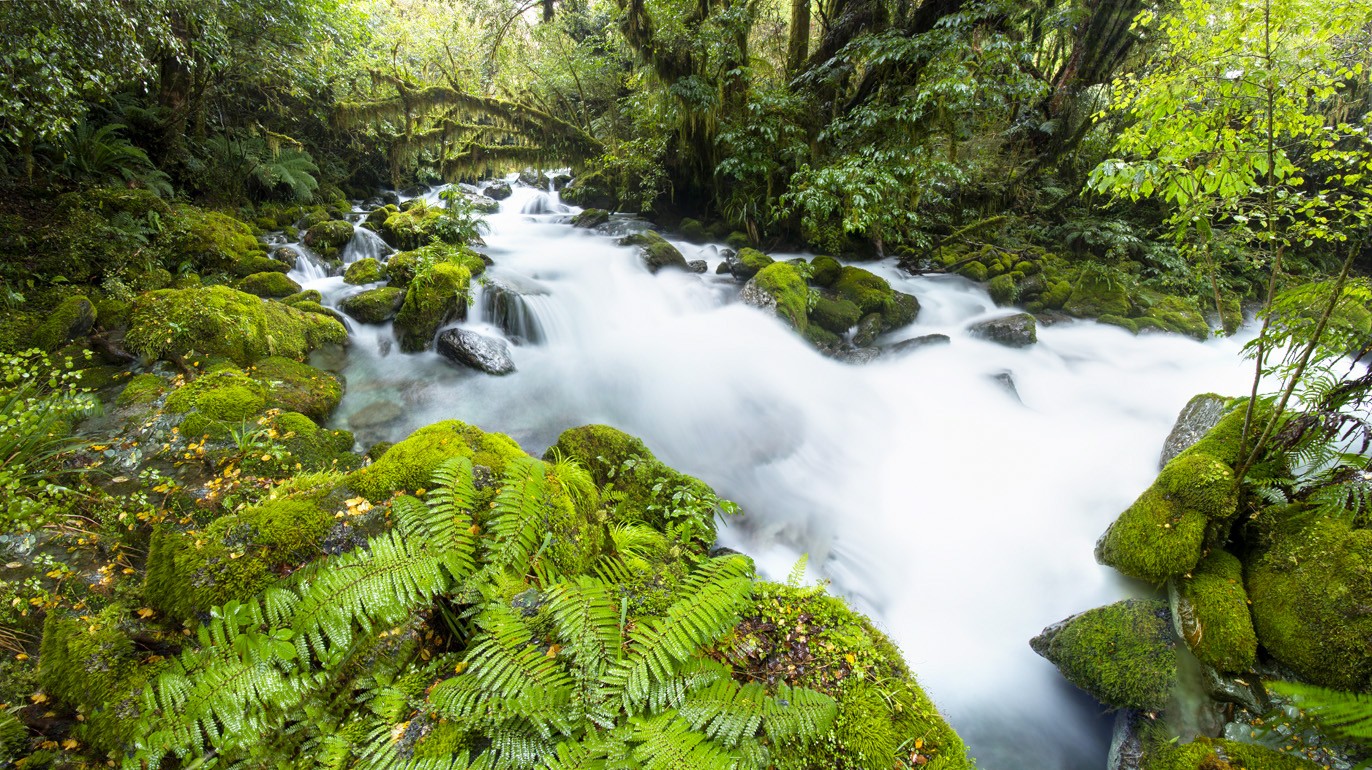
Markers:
point(257, 256)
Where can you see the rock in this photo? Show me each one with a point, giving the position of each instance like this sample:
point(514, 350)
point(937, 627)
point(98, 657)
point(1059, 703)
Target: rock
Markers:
point(655, 251)
point(927, 340)
point(824, 271)
point(377, 217)
point(298, 387)
point(837, 316)
point(402, 267)
point(559, 179)
point(503, 303)
point(747, 262)
point(498, 190)
point(591, 218)
point(533, 178)
point(724, 267)
point(869, 328)
point(1126, 741)
point(697, 266)
point(1210, 612)
point(1123, 654)
point(483, 204)
point(1200, 414)
point(363, 271)
point(374, 306)
point(693, 231)
point(275, 285)
point(71, 319)
point(375, 415)
point(780, 288)
point(409, 464)
point(1016, 331)
point(286, 256)
point(327, 239)
point(1006, 381)
point(257, 263)
point(430, 303)
point(858, 356)
point(477, 351)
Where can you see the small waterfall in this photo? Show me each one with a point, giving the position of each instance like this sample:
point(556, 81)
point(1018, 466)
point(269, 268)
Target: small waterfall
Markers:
point(543, 203)
point(365, 244)
point(309, 268)
point(507, 301)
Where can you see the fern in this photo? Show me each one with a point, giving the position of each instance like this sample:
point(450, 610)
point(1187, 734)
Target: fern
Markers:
point(520, 509)
point(1343, 715)
point(669, 743)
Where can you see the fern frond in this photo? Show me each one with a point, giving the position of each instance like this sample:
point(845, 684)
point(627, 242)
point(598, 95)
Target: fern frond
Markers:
point(669, 743)
point(727, 711)
point(518, 518)
point(798, 713)
point(1344, 715)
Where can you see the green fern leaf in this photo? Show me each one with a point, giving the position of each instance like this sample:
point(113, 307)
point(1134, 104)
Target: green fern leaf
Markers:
point(1344, 715)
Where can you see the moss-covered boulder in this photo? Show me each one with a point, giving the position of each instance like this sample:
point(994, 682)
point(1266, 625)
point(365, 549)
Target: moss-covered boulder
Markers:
point(309, 295)
point(836, 316)
point(654, 251)
point(219, 321)
point(1123, 654)
point(780, 288)
point(368, 270)
point(804, 638)
point(298, 387)
point(438, 297)
point(257, 263)
point(1311, 587)
point(328, 239)
point(1178, 315)
point(377, 216)
point(1095, 293)
point(413, 228)
point(1219, 754)
point(141, 390)
point(71, 319)
point(211, 242)
point(402, 267)
point(873, 294)
point(300, 445)
point(693, 231)
point(591, 218)
point(236, 556)
point(217, 401)
point(747, 263)
point(825, 271)
point(1016, 331)
point(409, 464)
point(1210, 611)
point(273, 285)
point(374, 306)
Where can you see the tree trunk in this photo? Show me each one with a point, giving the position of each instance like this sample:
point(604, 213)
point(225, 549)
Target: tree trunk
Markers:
point(798, 47)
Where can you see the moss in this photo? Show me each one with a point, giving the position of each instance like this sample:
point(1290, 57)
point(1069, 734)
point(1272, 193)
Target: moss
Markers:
point(750, 261)
point(837, 316)
point(1095, 295)
point(975, 271)
point(112, 314)
point(374, 306)
point(1129, 324)
point(693, 231)
point(1218, 754)
point(309, 295)
point(822, 339)
point(591, 218)
point(71, 319)
point(413, 228)
point(299, 445)
point(1123, 654)
point(1189, 506)
point(782, 282)
point(217, 402)
point(869, 292)
point(328, 239)
point(802, 637)
point(1181, 316)
point(1003, 290)
point(1211, 613)
point(91, 665)
point(257, 263)
point(376, 217)
point(1311, 588)
point(367, 270)
point(268, 285)
point(900, 309)
point(824, 271)
point(738, 241)
point(152, 280)
point(438, 297)
point(404, 266)
point(211, 242)
point(298, 387)
point(654, 251)
point(236, 556)
point(220, 321)
point(142, 389)
point(408, 464)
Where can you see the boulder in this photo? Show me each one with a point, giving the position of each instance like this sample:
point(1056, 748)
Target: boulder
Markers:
point(434, 298)
point(697, 266)
point(275, 285)
point(655, 251)
point(1123, 654)
point(368, 270)
point(71, 319)
point(747, 262)
point(375, 415)
point(1016, 331)
point(1210, 613)
point(498, 190)
point(1200, 414)
point(927, 340)
point(476, 351)
point(591, 218)
point(327, 239)
point(779, 288)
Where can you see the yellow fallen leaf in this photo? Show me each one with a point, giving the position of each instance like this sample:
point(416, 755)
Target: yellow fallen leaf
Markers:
point(21, 656)
point(145, 612)
point(38, 697)
point(848, 656)
point(70, 744)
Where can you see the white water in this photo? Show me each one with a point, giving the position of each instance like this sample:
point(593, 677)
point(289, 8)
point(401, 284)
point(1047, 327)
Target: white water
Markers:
point(962, 519)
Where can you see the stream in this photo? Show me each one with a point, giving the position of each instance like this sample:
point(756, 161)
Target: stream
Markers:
point(960, 515)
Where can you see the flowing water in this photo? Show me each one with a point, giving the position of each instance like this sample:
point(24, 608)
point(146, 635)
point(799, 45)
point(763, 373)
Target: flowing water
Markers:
point(960, 515)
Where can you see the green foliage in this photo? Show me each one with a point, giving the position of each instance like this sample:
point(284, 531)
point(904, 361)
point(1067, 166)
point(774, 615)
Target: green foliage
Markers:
point(90, 155)
point(1339, 714)
point(460, 223)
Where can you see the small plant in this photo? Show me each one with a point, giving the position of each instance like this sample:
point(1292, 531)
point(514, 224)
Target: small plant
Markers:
point(460, 221)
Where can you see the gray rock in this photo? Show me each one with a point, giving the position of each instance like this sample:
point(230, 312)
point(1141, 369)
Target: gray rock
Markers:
point(1006, 380)
point(375, 415)
point(591, 218)
point(476, 351)
point(1015, 331)
point(502, 301)
point(498, 191)
point(655, 251)
point(1196, 419)
point(1126, 741)
point(697, 266)
point(859, 356)
point(868, 329)
point(928, 340)
point(756, 297)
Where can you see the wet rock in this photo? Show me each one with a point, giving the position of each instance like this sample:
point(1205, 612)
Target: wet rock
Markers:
point(1196, 419)
point(503, 303)
point(374, 306)
point(724, 268)
point(1123, 654)
point(497, 190)
point(375, 415)
point(747, 263)
point(1015, 331)
point(1127, 749)
point(477, 351)
point(697, 266)
point(591, 218)
point(285, 255)
point(1006, 380)
point(868, 329)
point(655, 251)
point(859, 356)
point(927, 340)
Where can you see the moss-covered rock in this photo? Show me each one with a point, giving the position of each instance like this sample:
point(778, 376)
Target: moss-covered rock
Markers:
point(274, 285)
point(437, 297)
point(1096, 294)
point(368, 270)
point(140, 390)
point(1123, 654)
point(1003, 290)
point(298, 387)
point(373, 306)
point(217, 402)
point(1188, 508)
point(217, 320)
point(402, 267)
point(1210, 612)
point(236, 556)
point(1219, 754)
point(309, 295)
point(824, 271)
point(257, 263)
point(409, 464)
point(1311, 588)
point(780, 288)
point(72, 318)
point(413, 228)
point(211, 242)
point(591, 218)
point(328, 239)
point(748, 262)
point(654, 250)
point(869, 292)
point(300, 445)
point(1181, 316)
point(836, 316)
point(693, 231)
